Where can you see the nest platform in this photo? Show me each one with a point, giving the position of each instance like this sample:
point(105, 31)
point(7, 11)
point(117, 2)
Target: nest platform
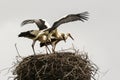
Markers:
point(58, 66)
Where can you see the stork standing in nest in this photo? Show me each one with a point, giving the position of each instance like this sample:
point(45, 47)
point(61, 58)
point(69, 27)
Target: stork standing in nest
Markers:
point(54, 41)
point(35, 34)
point(69, 18)
point(53, 32)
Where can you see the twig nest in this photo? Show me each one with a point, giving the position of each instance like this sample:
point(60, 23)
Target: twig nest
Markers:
point(59, 66)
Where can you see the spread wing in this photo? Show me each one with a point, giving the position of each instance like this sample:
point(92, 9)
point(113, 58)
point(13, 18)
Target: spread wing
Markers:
point(70, 18)
point(39, 22)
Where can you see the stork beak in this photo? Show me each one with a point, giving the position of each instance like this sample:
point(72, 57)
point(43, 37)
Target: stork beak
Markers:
point(71, 37)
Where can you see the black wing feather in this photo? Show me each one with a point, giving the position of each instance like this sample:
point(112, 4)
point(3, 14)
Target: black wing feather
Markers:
point(40, 23)
point(70, 18)
point(27, 22)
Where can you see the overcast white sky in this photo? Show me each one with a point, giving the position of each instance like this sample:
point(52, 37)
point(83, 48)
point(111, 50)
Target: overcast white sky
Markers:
point(99, 36)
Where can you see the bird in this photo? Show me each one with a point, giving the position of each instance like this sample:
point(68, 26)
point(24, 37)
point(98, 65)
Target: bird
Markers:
point(35, 34)
point(69, 18)
point(52, 31)
point(48, 32)
point(54, 41)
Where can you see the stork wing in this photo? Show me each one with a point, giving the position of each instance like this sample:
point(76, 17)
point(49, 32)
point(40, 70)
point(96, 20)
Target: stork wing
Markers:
point(38, 22)
point(70, 18)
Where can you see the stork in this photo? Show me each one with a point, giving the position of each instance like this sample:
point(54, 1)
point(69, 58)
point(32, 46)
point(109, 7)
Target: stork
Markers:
point(69, 18)
point(35, 34)
point(52, 31)
point(54, 41)
point(48, 33)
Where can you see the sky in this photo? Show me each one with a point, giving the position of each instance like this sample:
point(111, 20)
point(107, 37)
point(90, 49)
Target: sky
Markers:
point(99, 36)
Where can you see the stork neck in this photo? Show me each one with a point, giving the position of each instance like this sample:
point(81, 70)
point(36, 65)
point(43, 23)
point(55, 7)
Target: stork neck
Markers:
point(66, 36)
point(38, 35)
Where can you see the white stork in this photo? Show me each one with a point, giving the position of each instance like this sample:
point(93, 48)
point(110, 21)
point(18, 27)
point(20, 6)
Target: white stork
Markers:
point(69, 18)
point(54, 41)
point(52, 31)
point(35, 34)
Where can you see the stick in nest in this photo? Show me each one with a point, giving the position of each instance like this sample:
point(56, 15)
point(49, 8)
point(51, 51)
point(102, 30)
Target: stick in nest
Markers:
point(17, 51)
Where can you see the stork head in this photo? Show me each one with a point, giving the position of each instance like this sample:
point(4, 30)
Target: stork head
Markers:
point(69, 35)
point(65, 36)
point(29, 34)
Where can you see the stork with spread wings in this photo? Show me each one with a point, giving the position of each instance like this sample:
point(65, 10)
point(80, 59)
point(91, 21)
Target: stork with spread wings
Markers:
point(48, 33)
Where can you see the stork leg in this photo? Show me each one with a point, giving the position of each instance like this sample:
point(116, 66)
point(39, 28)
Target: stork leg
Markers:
point(49, 38)
point(47, 48)
point(53, 48)
point(33, 47)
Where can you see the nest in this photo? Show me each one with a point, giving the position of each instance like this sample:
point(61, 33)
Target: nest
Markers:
point(59, 66)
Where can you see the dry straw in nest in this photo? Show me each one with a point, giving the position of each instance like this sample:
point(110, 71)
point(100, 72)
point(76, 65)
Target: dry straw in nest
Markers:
point(59, 66)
